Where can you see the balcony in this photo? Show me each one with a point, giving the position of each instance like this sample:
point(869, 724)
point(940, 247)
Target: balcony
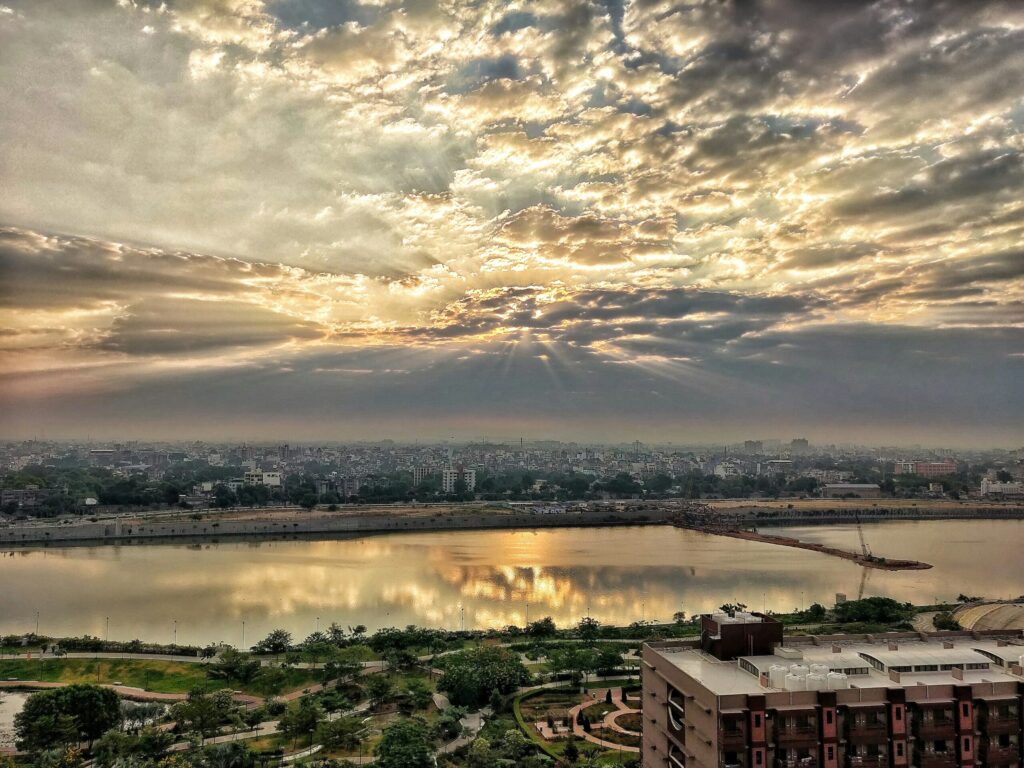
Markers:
point(732, 738)
point(867, 733)
point(934, 730)
point(796, 734)
point(935, 760)
point(999, 724)
point(867, 761)
point(1002, 756)
point(799, 762)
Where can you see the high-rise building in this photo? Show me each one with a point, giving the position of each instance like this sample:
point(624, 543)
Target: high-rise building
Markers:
point(419, 474)
point(744, 697)
point(450, 477)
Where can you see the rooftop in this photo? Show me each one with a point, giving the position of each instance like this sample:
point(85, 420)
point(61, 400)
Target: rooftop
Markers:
point(867, 664)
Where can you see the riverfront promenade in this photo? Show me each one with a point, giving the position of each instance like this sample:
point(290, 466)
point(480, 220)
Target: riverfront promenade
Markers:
point(289, 522)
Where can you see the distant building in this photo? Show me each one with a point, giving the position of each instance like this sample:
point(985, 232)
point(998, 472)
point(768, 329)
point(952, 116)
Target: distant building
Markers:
point(926, 468)
point(753, 447)
point(728, 469)
point(420, 474)
point(24, 498)
point(349, 486)
point(799, 446)
point(259, 477)
point(859, 490)
point(450, 477)
point(775, 467)
point(996, 488)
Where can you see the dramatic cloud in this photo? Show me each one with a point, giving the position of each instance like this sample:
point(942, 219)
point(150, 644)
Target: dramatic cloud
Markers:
point(705, 218)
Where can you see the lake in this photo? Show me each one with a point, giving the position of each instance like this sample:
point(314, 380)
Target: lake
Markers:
point(480, 579)
point(10, 705)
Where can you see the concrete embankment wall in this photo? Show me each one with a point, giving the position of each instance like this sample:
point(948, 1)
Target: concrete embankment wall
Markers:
point(337, 523)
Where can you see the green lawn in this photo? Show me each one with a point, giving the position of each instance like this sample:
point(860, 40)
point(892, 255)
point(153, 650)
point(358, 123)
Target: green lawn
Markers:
point(158, 676)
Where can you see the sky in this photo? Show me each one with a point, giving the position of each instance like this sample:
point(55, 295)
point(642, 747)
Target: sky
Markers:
point(423, 219)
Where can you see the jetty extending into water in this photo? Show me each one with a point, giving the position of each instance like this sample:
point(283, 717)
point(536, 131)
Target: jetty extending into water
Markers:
point(705, 519)
point(867, 560)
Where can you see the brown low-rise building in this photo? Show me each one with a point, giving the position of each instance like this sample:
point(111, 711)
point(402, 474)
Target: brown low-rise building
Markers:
point(742, 697)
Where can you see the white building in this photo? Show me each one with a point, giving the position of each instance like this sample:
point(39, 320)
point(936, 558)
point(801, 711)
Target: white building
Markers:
point(450, 477)
point(996, 488)
point(258, 477)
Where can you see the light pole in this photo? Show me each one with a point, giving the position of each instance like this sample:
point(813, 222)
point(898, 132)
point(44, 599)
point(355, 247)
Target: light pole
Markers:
point(106, 636)
point(175, 641)
point(243, 635)
point(37, 623)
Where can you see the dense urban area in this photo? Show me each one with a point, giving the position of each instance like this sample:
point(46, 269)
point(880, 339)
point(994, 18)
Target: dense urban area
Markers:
point(47, 479)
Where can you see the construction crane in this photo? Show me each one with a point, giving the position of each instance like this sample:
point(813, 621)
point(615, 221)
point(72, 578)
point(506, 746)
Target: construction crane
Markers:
point(865, 550)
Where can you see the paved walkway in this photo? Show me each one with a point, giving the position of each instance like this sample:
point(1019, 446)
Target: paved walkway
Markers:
point(596, 697)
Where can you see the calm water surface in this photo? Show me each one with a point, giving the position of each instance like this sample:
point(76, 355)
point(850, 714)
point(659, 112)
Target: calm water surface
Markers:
point(10, 705)
point(481, 578)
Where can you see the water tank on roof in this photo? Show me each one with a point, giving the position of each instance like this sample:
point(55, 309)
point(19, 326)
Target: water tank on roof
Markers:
point(816, 682)
point(819, 669)
point(777, 676)
point(837, 680)
point(796, 682)
point(800, 670)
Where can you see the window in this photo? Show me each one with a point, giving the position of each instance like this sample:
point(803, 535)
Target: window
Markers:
point(899, 714)
point(758, 757)
point(967, 744)
point(831, 753)
point(899, 749)
point(828, 716)
point(966, 709)
point(757, 719)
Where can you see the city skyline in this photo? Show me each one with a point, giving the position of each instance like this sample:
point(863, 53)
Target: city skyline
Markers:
point(688, 223)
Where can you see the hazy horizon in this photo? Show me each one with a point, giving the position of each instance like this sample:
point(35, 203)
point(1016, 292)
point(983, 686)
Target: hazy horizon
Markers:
point(594, 221)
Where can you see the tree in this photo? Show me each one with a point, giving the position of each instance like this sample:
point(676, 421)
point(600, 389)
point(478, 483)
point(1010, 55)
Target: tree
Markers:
point(116, 747)
point(418, 693)
point(233, 665)
point(301, 720)
point(816, 612)
point(588, 629)
point(379, 688)
point(405, 743)
point(541, 628)
point(572, 752)
point(61, 716)
point(480, 754)
point(609, 658)
point(343, 733)
point(574, 660)
point(276, 642)
point(470, 676)
point(200, 713)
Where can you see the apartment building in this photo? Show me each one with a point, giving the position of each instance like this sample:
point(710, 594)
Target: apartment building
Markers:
point(741, 697)
point(926, 468)
point(450, 478)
